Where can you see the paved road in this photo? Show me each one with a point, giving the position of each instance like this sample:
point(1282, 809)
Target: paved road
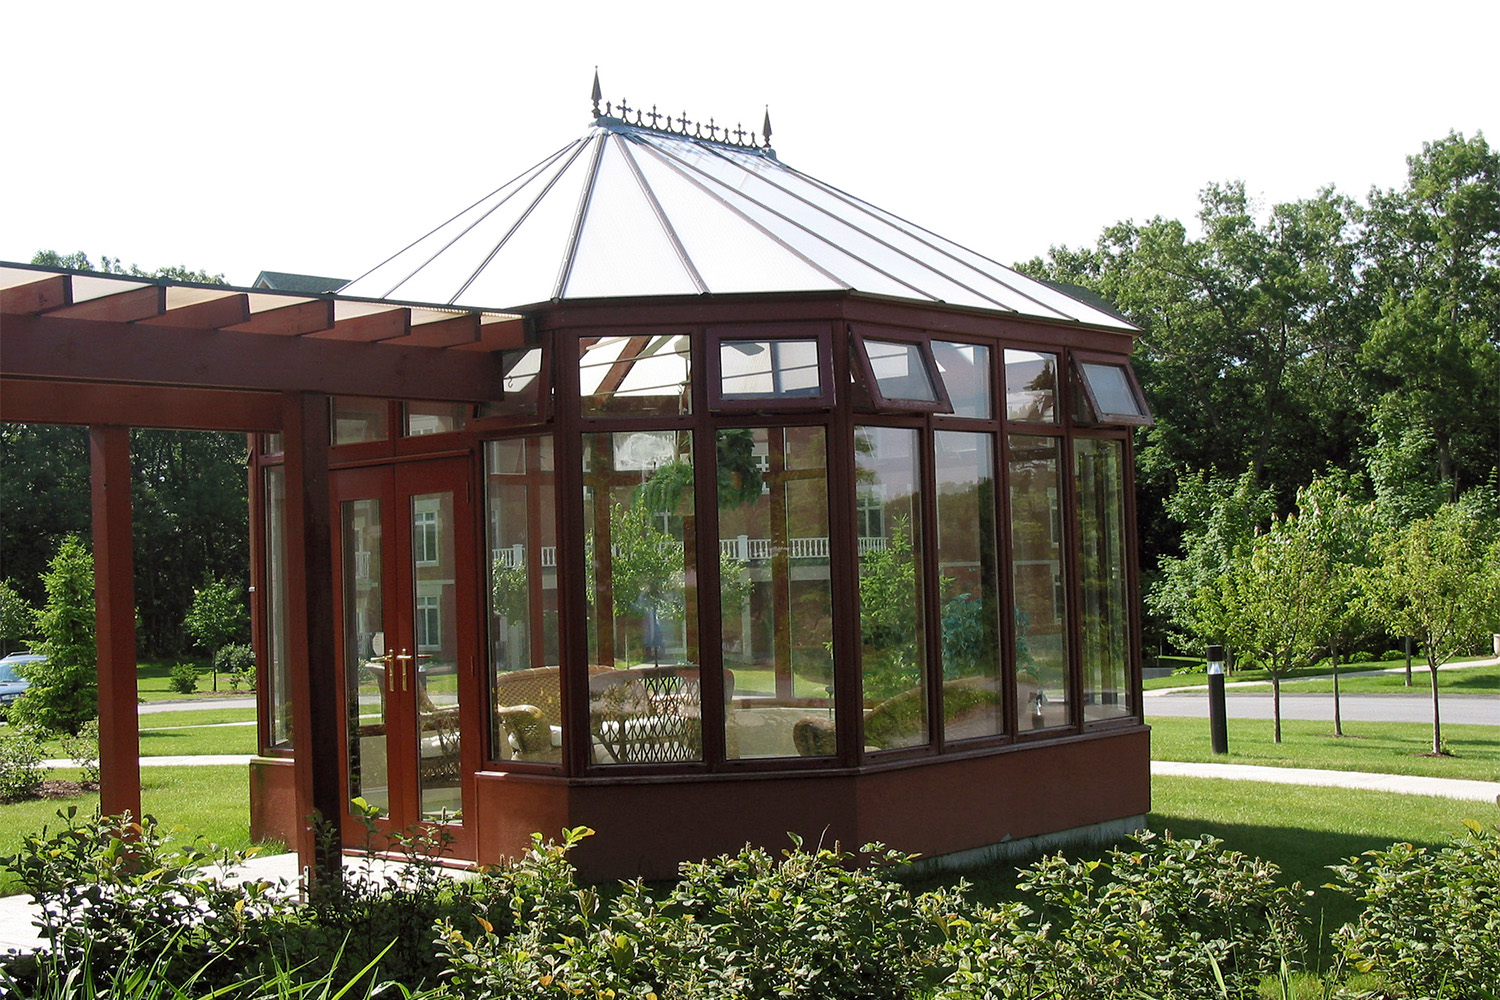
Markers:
point(1469, 709)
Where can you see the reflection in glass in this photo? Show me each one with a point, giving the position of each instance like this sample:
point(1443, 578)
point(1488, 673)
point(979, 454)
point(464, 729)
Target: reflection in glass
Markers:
point(278, 679)
point(894, 664)
point(1111, 390)
point(1105, 625)
point(642, 597)
point(775, 591)
point(434, 418)
point(769, 369)
point(900, 370)
point(634, 376)
point(521, 385)
point(968, 567)
point(527, 721)
point(965, 371)
point(435, 627)
point(1031, 386)
point(1041, 648)
point(365, 673)
point(356, 420)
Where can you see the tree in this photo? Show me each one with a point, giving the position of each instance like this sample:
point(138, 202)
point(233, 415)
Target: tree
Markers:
point(217, 616)
point(1220, 518)
point(1270, 600)
point(1338, 528)
point(64, 691)
point(1434, 349)
point(17, 618)
point(1437, 579)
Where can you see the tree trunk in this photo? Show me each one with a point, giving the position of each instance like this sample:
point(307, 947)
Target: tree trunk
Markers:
point(1437, 731)
point(1338, 717)
point(1406, 642)
point(1276, 701)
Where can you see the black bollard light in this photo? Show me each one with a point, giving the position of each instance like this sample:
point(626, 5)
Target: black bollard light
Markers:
point(1218, 730)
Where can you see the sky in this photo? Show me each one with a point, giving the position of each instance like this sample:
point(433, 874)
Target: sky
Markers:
point(321, 137)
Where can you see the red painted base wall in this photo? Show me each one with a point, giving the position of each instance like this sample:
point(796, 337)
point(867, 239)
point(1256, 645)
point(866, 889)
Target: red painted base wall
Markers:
point(936, 806)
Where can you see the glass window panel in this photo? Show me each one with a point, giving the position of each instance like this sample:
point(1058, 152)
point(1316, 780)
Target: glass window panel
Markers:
point(965, 371)
point(435, 418)
point(272, 444)
point(642, 598)
point(1031, 386)
point(522, 385)
point(1111, 388)
point(435, 623)
point(968, 570)
point(364, 641)
point(769, 369)
point(1104, 617)
point(356, 420)
point(899, 370)
point(526, 704)
point(894, 664)
point(277, 676)
point(634, 376)
point(776, 592)
point(1041, 632)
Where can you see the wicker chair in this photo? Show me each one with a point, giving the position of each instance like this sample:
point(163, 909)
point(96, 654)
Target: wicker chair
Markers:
point(966, 703)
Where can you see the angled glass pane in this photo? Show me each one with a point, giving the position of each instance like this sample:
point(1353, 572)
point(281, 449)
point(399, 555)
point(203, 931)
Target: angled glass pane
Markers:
point(642, 598)
point(1041, 632)
point(1031, 387)
point(900, 370)
point(965, 371)
point(775, 592)
point(769, 369)
point(893, 658)
point(1111, 389)
point(968, 575)
point(1105, 619)
point(644, 375)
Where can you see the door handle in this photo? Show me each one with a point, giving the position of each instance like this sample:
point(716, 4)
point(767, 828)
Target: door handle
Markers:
point(402, 659)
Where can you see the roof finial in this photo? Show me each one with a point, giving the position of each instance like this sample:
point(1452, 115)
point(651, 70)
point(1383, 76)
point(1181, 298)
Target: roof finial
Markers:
point(597, 92)
point(766, 128)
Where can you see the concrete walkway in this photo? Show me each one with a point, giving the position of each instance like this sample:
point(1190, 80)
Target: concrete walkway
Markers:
point(1419, 672)
point(17, 913)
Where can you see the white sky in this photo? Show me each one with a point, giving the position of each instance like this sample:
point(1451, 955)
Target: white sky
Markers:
point(321, 137)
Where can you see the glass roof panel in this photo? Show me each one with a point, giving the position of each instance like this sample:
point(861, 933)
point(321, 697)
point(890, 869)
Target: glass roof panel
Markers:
point(624, 246)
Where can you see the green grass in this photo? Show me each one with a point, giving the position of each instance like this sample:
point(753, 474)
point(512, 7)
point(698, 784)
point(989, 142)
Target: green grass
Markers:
point(1469, 680)
point(1418, 670)
point(154, 681)
point(195, 717)
point(211, 740)
point(1379, 747)
point(211, 801)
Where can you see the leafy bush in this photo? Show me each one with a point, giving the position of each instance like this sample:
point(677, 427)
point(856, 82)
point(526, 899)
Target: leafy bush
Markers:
point(82, 749)
point(64, 691)
point(185, 678)
point(237, 662)
point(1393, 654)
point(21, 771)
point(1431, 920)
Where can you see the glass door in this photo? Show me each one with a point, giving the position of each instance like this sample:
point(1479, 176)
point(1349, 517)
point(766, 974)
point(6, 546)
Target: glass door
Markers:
point(406, 569)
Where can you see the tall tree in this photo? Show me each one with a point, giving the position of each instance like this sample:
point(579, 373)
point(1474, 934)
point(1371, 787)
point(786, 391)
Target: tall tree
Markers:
point(1434, 349)
point(64, 691)
point(1438, 580)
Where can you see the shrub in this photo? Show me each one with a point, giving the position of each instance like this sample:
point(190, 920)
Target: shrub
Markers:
point(64, 691)
point(1431, 920)
point(83, 750)
point(217, 615)
point(21, 771)
point(185, 678)
point(237, 662)
point(1393, 654)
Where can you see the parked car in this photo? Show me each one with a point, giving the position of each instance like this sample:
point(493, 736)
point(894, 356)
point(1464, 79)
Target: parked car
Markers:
point(12, 684)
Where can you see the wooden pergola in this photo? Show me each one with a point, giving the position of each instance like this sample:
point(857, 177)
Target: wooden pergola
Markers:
point(114, 352)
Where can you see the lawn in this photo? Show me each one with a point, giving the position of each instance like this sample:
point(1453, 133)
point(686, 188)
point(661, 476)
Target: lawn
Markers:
point(1391, 682)
point(1380, 747)
point(1469, 680)
point(154, 681)
point(211, 801)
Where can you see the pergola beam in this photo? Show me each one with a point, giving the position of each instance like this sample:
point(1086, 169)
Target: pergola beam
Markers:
point(44, 401)
point(48, 347)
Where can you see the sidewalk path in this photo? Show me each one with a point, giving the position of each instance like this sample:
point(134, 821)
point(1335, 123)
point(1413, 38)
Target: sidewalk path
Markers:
point(1403, 784)
point(1419, 671)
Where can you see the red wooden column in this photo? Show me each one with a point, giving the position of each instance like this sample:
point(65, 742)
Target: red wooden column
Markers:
point(316, 687)
point(114, 622)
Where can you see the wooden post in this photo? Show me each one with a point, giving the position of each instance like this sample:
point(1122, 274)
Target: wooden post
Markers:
point(114, 622)
point(315, 682)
